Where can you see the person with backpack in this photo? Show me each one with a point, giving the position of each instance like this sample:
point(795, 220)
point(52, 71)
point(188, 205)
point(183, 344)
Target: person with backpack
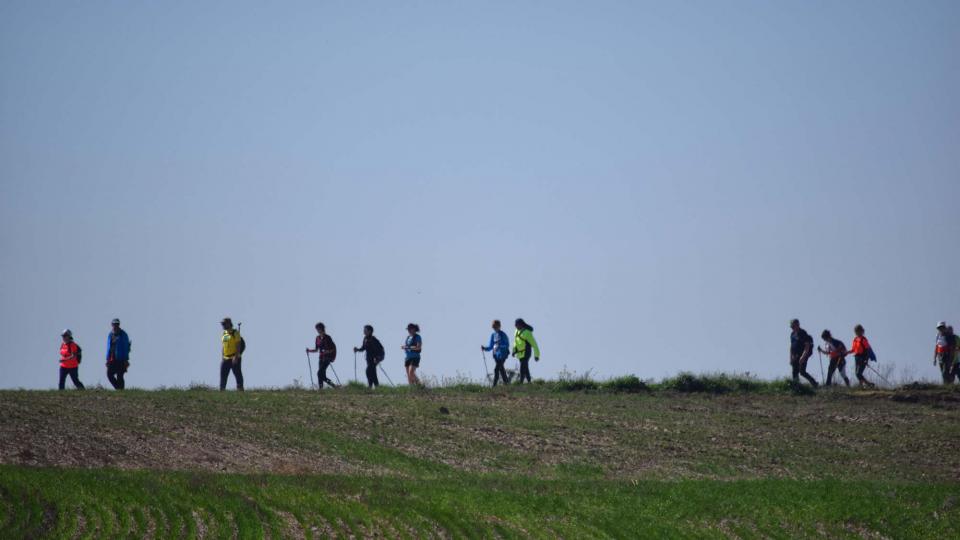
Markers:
point(956, 354)
point(525, 346)
point(500, 346)
point(862, 354)
point(801, 348)
point(375, 354)
point(412, 347)
point(944, 352)
point(232, 354)
point(70, 358)
point(837, 352)
point(118, 355)
point(326, 350)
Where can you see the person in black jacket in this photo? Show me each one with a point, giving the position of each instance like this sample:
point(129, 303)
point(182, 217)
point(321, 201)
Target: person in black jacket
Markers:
point(327, 351)
point(801, 348)
point(375, 355)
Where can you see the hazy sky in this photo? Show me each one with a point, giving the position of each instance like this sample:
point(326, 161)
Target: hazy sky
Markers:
point(654, 186)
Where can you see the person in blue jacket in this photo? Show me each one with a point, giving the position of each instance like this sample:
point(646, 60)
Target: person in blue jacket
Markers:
point(500, 346)
point(412, 348)
point(118, 355)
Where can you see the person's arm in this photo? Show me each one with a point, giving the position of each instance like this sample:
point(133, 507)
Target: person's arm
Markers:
point(489, 346)
point(417, 344)
point(362, 347)
point(316, 347)
point(536, 348)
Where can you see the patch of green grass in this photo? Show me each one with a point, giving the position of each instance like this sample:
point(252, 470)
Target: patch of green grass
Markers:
point(44, 504)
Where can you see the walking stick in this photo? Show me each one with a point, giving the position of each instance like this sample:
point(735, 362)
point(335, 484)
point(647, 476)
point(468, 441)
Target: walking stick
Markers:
point(882, 378)
point(310, 369)
point(486, 369)
point(385, 373)
point(335, 374)
point(820, 354)
point(355, 367)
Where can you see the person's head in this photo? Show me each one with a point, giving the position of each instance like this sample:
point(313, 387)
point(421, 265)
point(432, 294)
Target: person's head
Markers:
point(321, 328)
point(367, 330)
point(67, 335)
point(858, 330)
point(115, 325)
point(226, 323)
point(496, 324)
point(826, 335)
point(413, 328)
point(795, 324)
point(520, 324)
point(942, 328)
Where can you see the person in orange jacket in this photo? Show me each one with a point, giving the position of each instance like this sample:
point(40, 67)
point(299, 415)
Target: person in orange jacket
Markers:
point(70, 354)
point(862, 353)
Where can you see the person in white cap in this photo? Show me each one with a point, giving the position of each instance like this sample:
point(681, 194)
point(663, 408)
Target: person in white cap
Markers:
point(69, 360)
point(944, 352)
point(118, 355)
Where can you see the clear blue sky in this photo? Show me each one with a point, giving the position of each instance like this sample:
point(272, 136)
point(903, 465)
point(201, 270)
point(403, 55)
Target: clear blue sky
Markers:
point(655, 186)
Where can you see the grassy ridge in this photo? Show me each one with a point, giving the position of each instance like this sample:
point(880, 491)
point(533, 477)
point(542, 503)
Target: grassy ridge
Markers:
point(53, 503)
point(689, 457)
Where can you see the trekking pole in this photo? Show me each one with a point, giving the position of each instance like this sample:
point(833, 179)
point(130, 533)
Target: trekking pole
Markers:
point(310, 369)
point(385, 374)
point(335, 374)
point(486, 370)
point(355, 367)
point(820, 354)
point(882, 378)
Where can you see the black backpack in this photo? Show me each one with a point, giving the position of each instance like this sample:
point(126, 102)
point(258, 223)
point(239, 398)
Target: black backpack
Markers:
point(242, 346)
point(79, 354)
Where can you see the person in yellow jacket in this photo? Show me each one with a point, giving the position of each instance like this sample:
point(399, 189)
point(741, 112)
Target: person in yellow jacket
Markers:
point(524, 346)
point(233, 346)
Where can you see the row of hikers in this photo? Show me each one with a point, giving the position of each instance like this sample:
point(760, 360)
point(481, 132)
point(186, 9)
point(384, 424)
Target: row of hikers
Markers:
point(233, 345)
point(946, 354)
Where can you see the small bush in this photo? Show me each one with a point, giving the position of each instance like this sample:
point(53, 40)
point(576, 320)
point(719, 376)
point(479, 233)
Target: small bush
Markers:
point(626, 384)
point(792, 387)
point(575, 385)
point(569, 381)
point(712, 384)
point(917, 385)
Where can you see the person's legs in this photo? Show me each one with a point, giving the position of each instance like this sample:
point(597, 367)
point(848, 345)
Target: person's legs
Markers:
point(112, 376)
point(238, 373)
point(372, 380)
point(414, 380)
point(63, 378)
point(795, 368)
point(322, 372)
point(842, 366)
point(861, 364)
point(831, 370)
point(224, 373)
point(525, 370)
point(75, 377)
point(803, 372)
point(945, 369)
point(499, 373)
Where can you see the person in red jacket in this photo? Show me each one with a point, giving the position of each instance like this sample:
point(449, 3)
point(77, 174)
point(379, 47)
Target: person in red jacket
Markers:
point(861, 351)
point(69, 360)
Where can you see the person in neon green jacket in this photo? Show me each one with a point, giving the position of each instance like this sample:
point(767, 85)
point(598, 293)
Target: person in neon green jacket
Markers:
point(523, 345)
